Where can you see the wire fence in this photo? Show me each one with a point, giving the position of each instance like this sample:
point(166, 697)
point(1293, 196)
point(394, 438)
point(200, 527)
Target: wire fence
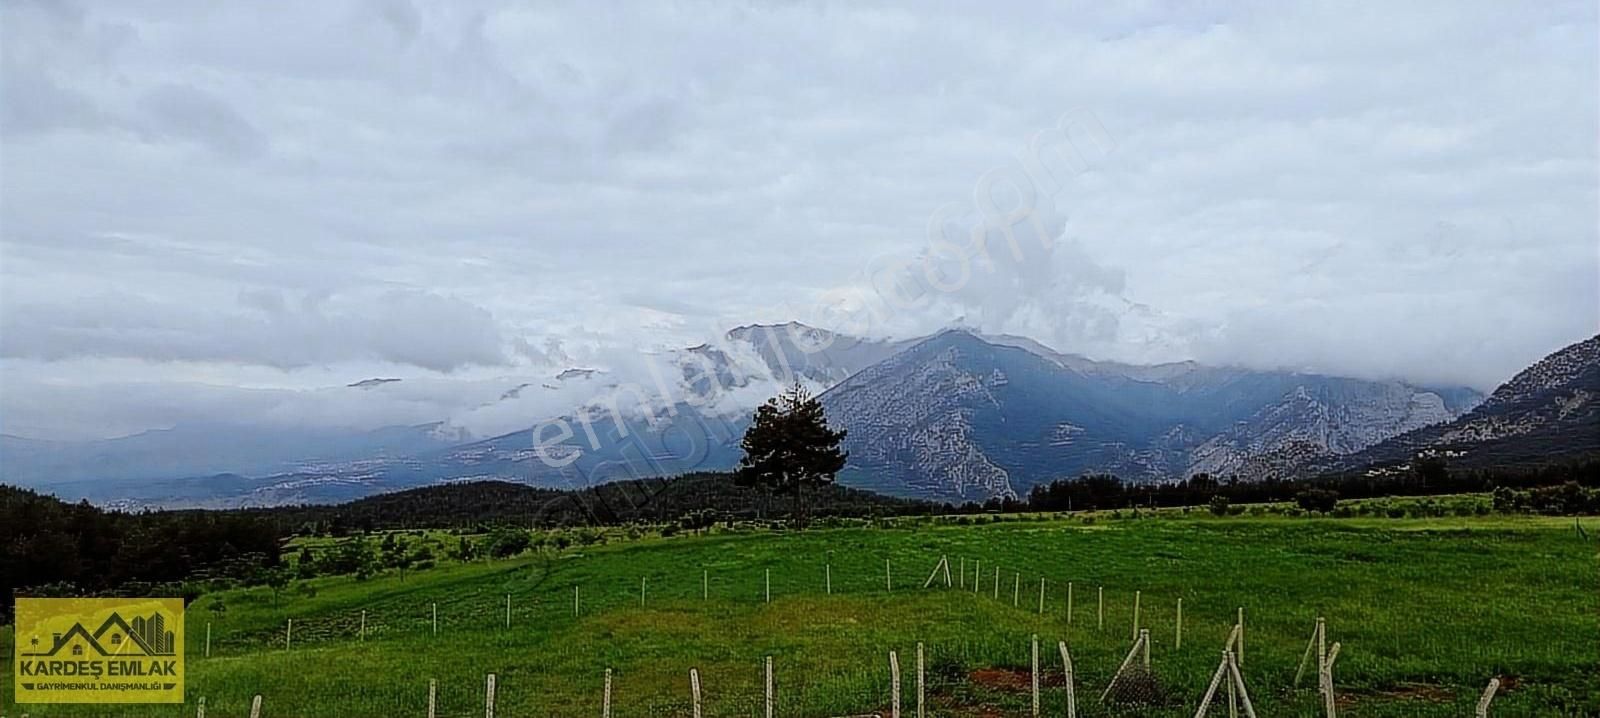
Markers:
point(985, 674)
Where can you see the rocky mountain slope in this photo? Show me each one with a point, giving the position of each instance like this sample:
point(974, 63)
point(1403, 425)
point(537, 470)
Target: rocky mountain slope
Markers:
point(961, 417)
point(1548, 411)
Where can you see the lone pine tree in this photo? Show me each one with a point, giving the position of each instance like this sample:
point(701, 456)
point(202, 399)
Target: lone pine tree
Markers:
point(789, 446)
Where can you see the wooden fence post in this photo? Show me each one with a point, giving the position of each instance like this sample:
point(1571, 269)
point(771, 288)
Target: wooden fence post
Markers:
point(996, 583)
point(508, 611)
point(1177, 641)
point(255, 707)
point(921, 684)
point(200, 708)
point(705, 584)
point(827, 573)
point(1211, 688)
point(1100, 608)
point(1123, 667)
point(1325, 675)
point(962, 584)
point(574, 601)
point(1238, 682)
point(769, 687)
point(1315, 645)
point(1488, 695)
point(641, 591)
point(1069, 603)
point(1066, 666)
point(768, 584)
point(1239, 653)
point(605, 697)
point(894, 686)
point(436, 618)
point(488, 697)
point(1033, 675)
point(433, 698)
point(977, 574)
point(1041, 595)
point(888, 580)
point(694, 690)
point(208, 640)
point(1144, 642)
point(1136, 595)
point(1016, 590)
point(363, 629)
point(288, 635)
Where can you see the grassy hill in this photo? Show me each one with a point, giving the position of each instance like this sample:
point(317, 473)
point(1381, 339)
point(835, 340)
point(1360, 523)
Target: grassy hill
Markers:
point(1427, 610)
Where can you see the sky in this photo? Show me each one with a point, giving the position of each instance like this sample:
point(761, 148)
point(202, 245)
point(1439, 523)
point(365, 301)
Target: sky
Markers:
point(230, 211)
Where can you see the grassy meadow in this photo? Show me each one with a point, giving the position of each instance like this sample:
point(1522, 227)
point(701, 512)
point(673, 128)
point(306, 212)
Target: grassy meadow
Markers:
point(1427, 610)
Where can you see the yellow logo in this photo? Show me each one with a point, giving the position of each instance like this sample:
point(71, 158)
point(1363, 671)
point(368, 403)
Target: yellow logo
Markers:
point(99, 650)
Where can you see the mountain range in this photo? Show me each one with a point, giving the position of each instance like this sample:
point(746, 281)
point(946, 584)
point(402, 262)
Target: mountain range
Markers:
point(957, 416)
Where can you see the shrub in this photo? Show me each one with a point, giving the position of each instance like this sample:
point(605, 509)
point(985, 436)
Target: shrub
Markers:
point(1318, 500)
point(1219, 505)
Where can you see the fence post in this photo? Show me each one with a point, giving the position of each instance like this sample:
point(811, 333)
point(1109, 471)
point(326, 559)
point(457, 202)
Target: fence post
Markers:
point(1033, 675)
point(288, 635)
point(1066, 665)
point(574, 601)
point(208, 641)
point(1069, 603)
point(768, 584)
point(694, 690)
point(508, 611)
point(641, 591)
point(769, 686)
point(1100, 608)
point(433, 698)
point(1326, 676)
point(977, 574)
point(894, 686)
point(1238, 681)
point(436, 618)
point(888, 580)
point(1177, 641)
point(605, 698)
point(1144, 641)
point(1136, 596)
point(705, 584)
point(1238, 653)
point(1488, 695)
point(363, 630)
point(1322, 641)
point(921, 684)
point(200, 708)
point(962, 583)
point(827, 573)
point(996, 583)
point(255, 706)
point(488, 697)
point(1016, 590)
point(1211, 689)
point(1041, 595)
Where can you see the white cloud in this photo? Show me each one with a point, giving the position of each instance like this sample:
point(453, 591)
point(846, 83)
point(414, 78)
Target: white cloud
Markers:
point(310, 194)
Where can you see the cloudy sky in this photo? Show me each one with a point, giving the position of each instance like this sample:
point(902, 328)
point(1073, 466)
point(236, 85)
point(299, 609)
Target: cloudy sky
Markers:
point(225, 212)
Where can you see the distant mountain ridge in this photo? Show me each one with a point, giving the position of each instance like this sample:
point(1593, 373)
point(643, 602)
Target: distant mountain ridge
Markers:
point(1549, 410)
point(955, 416)
point(963, 417)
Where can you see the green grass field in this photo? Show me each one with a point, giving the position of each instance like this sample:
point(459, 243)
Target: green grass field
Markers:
point(1426, 610)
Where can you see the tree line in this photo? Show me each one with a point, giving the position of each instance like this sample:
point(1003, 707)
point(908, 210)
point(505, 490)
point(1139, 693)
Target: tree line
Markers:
point(51, 547)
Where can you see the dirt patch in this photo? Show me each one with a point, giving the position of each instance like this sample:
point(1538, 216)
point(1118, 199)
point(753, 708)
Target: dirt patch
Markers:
point(1012, 679)
point(1419, 692)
